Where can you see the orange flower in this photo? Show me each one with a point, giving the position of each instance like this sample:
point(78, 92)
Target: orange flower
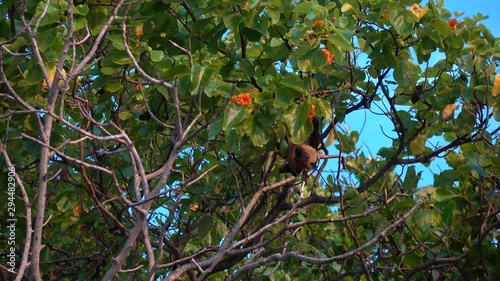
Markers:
point(310, 116)
point(139, 31)
point(334, 19)
point(317, 22)
point(243, 99)
point(329, 56)
point(453, 23)
point(138, 87)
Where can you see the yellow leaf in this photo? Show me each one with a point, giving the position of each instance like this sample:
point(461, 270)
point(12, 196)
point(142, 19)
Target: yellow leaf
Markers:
point(447, 112)
point(418, 11)
point(496, 86)
point(417, 145)
point(78, 211)
point(385, 16)
point(330, 139)
point(139, 31)
point(51, 71)
point(194, 207)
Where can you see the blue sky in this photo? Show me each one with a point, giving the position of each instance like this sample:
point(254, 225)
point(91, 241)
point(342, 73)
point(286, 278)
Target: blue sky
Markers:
point(485, 7)
point(372, 127)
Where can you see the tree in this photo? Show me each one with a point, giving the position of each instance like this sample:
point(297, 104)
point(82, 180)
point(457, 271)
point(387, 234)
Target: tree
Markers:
point(143, 140)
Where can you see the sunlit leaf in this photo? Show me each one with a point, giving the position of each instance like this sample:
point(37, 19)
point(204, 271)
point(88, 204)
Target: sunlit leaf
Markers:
point(156, 55)
point(233, 115)
point(495, 91)
point(417, 145)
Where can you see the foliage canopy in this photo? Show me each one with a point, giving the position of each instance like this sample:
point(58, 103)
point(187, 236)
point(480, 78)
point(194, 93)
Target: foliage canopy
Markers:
point(146, 138)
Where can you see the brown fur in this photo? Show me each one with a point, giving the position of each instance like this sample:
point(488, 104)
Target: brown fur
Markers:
point(299, 158)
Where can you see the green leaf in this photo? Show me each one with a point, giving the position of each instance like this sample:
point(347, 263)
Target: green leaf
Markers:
point(31, 147)
point(411, 260)
point(496, 111)
point(264, 98)
point(387, 57)
point(449, 209)
point(425, 218)
point(200, 75)
point(406, 74)
point(410, 182)
point(346, 7)
point(46, 38)
point(217, 87)
point(34, 75)
point(49, 12)
point(274, 14)
point(205, 226)
point(285, 96)
point(124, 115)
point(252, 18)
point(233, 115)
point(117, 41)
point(113, 86)
point(257, 127)
point(232, 21)
point(324, 109)
point(80, 23)
point(124, 60)
point(386, 152)
point(417, 145)
point(233, 140)
point(295, 119)
point(108, 70)
point(303, 7)
point(339, 39)
point(292, 82)
point(444, 194)
point(474, 162)
point(298, 32)
point(97, 18)
point(311, 60)
point(156, 55)
point(215, 128)
point(404, 205)
point(403, 22)
point(62, 204)
point(466, 121)
point(81, 10)
point(247, 67)
point(447, 177)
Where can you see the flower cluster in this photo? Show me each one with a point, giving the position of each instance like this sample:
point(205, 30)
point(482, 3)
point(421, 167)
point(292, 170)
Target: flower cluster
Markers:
point(310, 115)
point(317, 22)
point(418, 11)
point(244, 99)
point(329, 56)
point(453, 23)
